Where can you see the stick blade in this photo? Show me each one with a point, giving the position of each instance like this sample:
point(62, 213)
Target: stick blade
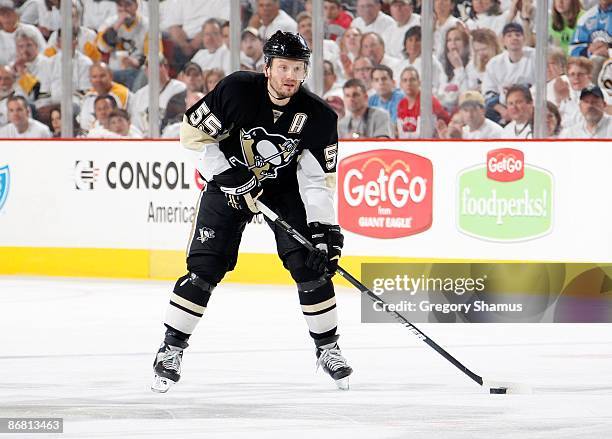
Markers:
point(506, 387)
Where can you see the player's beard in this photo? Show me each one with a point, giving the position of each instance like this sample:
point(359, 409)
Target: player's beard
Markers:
point(279, 91)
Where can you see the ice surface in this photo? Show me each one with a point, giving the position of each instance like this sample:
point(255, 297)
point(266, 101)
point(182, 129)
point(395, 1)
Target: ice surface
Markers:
point(83, 350)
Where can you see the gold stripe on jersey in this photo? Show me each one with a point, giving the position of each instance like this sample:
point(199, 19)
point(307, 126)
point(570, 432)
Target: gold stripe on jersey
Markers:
point(319, 306)
point(187, 304)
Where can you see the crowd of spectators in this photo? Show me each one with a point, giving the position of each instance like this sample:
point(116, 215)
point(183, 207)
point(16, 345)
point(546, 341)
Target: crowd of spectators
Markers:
point(483, 64)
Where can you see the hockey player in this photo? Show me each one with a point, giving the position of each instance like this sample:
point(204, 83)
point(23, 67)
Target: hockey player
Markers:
point(261, 136)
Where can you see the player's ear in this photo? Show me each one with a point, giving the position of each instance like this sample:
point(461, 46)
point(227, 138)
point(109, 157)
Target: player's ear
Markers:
point(266, 70)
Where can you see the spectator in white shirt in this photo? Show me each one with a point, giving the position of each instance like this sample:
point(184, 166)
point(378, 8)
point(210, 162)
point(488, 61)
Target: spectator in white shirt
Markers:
point(33, 69)
point(49, 18)
point(215, 54)
point(212, 78)
point(124, 36)
point(459, 74)
point(9, 26)
point(443, 10)
point(477, 126)
point(401, 11)
point(195, 80)
point(558, 86)
point(271, 18)
point(331, 51)
point(193, 77)
point(87, 38)
point(80, 71)
point(140, 105)
point(185, 23)
point(106, 127)
point(103, 106)
point(520, 110)
point(21, 125)
point(96, 12)
point(173, 131)
point(523, 12)
point(119, 123)
point(373, 46)
point(485, 46)
point(489, 15)
point(331, 85)
point(251, 50)
point(101, 78)
point(579, 73)
point(412, 58)
point(516, 65)
point(595, 123)
point(370, 18)
point(41, 13)
point(167, 12)
point(27, 10)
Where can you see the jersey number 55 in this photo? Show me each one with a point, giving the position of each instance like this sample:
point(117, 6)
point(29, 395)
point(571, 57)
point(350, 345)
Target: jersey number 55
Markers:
point(204, 120)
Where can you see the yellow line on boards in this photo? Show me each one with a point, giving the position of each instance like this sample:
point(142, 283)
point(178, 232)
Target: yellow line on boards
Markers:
point(257, 268)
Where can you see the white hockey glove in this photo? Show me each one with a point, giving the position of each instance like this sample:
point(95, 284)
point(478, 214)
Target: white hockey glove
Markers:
point(241, 188)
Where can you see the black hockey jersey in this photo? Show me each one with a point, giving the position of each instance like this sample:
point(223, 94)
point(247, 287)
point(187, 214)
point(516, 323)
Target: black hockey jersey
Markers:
point(251, 131)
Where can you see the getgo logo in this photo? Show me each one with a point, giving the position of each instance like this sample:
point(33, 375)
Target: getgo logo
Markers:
point(385, 194)
point(505, 164)
point(506, 199)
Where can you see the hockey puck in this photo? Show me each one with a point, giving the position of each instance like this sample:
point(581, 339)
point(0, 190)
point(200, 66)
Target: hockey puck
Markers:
point(498, 390)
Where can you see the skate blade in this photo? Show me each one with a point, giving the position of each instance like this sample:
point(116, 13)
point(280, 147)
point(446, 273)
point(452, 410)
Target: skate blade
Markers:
point(161, 384)
point(343, 383)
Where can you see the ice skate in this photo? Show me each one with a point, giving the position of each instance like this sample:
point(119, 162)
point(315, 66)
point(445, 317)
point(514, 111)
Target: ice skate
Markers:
point(330, 359)
point(167, 367)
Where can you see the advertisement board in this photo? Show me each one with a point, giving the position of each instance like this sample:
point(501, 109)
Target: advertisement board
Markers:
point(137, 195)
point(385, 193)
point(503, 200)
point(418, 200)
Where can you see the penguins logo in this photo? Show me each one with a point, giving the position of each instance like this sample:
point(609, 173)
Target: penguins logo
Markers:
point(206, 234)
point(264, 153)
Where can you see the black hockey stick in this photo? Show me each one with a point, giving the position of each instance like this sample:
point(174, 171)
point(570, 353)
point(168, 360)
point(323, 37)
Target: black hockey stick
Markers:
point(493, 387)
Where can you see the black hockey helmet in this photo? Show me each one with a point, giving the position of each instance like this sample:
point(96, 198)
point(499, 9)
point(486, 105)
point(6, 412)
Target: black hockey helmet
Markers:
point(286, 45)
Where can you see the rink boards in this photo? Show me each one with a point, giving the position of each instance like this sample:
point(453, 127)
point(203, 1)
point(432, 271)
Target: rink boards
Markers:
point(124, 208)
